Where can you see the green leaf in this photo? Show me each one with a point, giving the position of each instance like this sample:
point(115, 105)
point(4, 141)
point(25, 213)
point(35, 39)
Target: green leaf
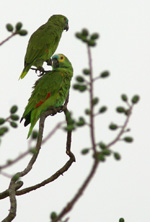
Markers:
point(113, 126)
point(2, 121)
point(102, 145)
point(121, 220)
point(81, 122)
point(13, 109)
point(18, 26)
point(22, 32)
point(9, 27)
point(95, 100)
point(91, 43)
point(124, 97)
point(128, 139)
point(101, 157)
point(94, 36)
point(3, 130)
point(33, 150)
point(87, 112)
point(69, 128)
point(85, 32)
point(117, 156)
point(35, 134)
point(82, 88)
point(85, 151)
point(53, 215)
point(135, 99)
point(78, 35)
point(80, 79)
point(104, 74)
point(14, 117)
point(13, 124)
point(106, 152)
point(103, 109)
point(120, 109)
point(76, 86)
point(86, 71)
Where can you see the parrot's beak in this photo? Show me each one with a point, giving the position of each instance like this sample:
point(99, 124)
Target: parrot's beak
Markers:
point(55, 63)
point(66, 27)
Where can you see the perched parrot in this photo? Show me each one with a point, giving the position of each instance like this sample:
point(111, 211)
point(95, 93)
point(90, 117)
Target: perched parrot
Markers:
point(50, 90)
point(43, 42)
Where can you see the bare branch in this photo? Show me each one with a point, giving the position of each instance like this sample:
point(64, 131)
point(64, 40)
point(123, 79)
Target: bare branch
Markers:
point(122, 129)
point(9, 37)
point(91, 101)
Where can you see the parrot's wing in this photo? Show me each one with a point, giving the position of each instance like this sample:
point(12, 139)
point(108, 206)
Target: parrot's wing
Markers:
point(45, 87)
point(42, 42)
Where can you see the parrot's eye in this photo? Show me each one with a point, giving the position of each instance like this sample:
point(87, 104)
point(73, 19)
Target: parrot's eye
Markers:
point(61, 57)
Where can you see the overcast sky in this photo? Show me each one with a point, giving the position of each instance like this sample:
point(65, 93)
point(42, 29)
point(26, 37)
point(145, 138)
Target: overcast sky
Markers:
point(119, 189)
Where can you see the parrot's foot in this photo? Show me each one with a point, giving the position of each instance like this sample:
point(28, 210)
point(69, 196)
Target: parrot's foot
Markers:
point(41, 70)
point(56, 110)
point(49, 62)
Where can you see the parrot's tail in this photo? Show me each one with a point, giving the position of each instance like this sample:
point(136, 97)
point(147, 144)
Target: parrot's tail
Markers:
point(24, 72)
point(30, 131)
point(32, 126)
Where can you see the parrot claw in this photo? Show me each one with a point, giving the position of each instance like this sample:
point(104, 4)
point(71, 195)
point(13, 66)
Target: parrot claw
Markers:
point(41, 70)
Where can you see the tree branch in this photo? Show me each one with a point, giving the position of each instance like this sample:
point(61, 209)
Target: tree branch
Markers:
point(9, 37)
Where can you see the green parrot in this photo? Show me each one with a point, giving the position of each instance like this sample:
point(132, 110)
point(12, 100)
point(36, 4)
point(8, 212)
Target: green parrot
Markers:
point(43, 42)
point(50, 90)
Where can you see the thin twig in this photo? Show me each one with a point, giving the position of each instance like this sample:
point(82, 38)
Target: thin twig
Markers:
point(122, 129)
point(60, 171)
point(53, 131)
point(9, 37)
point(70, 205)
point(11, 162)
point(91, 101)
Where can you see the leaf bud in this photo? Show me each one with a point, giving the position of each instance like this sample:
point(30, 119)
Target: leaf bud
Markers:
point(22, 32)
point(124, 97)
point(102, 145)
point(86, 71)
point(2, 121)
point(13, 124)
point(18, 26)
point(85, 32)
point(9, 27)
point(120, 109)
point(13, 109)
point(135, 99)
point(85, 151)
point(94, 36)
point(128, 139)
point(95, 100)
point(87, 111)
point(34, 134)
point(53, 215)
point(14, 117)
point(91, 43)
point(103, 109)
point(117, 156)
point(113, 126)
point(80, 79)
point(104, 74)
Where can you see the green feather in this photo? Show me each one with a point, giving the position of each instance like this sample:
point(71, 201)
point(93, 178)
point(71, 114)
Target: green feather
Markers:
point(50, 90)
point(43, 42)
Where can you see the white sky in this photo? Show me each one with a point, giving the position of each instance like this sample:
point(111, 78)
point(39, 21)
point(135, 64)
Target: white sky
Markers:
point(119, 189)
